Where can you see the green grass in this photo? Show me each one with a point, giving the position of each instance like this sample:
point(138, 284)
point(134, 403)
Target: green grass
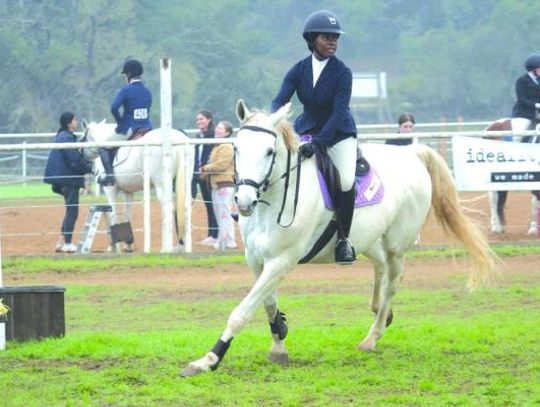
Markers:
point(30, 190)
point(125, 346)
point(25, 264)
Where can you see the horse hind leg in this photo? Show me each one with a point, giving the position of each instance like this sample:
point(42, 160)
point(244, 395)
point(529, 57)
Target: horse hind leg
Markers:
point(377, 257)
point(390, 283)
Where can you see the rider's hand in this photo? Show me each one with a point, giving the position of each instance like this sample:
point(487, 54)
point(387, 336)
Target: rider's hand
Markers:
point(537, 106)
point(308, 149)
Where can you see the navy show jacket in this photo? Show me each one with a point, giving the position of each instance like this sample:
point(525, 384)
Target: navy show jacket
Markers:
point(527, 94)
point(66, 167)
point(326, 114)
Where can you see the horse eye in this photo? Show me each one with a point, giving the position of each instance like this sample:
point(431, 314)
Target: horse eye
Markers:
point(269, 152)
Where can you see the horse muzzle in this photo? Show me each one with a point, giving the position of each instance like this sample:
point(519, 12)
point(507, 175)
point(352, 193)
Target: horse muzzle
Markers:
point(245, 202)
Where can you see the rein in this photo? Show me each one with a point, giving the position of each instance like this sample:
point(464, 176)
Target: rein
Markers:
point(265, 184)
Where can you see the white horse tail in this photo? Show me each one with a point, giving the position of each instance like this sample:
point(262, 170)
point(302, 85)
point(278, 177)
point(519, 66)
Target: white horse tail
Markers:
point(180, 187)
point(450, 214)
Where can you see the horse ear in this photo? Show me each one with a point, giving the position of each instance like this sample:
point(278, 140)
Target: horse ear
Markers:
point(281, 114)
point(242, 112)
point(103, 121)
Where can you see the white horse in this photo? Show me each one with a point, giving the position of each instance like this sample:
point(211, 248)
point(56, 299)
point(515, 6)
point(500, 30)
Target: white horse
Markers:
point(497, 199)
point(128, 169)
point(415, 179)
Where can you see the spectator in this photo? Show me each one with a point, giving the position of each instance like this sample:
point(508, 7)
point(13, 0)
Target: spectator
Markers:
point(219, 171)
point(205, 124)
point(65, 171)
point(406, 123)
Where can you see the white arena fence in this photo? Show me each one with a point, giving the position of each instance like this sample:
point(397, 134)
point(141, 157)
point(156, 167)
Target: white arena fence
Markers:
point(440, 140)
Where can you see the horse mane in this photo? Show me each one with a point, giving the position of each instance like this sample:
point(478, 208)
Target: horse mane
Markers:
point(283, 127)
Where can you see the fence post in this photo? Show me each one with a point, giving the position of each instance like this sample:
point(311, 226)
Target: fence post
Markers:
point(2, 324)
point(24, 170)
point(166, 125)
point(147, 224)
point(188, 169)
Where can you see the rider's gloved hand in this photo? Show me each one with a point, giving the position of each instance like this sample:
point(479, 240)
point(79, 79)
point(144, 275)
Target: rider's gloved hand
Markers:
point(310, 148)
point(537, 106)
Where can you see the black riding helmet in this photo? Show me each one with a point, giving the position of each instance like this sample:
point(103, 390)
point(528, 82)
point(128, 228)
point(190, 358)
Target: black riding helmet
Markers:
point(132, 68)
point(532, 62)
point(322, 21)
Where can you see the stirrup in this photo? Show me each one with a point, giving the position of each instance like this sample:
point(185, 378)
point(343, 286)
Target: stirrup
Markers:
point(344, 252)
point(106, 181)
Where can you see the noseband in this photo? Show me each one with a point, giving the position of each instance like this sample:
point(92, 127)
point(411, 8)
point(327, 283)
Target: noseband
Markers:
point(262, 186)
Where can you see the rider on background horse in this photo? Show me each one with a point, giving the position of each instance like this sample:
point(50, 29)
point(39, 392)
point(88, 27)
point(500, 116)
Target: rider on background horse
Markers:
point(527, 107)
point(134, 120)
point(323, 84)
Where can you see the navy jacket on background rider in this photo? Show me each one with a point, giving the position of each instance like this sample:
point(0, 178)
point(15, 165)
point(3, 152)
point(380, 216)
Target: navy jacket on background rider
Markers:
point(136, 101)
point(326, 114)
point(527, 93)
point(66, 167)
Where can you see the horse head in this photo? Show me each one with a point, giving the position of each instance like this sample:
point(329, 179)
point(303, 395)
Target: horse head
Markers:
point(96, 131)
point(256, 146)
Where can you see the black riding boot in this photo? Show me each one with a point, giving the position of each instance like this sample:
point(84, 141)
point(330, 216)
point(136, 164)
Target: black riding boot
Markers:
point(344, 213)
point(107, 158)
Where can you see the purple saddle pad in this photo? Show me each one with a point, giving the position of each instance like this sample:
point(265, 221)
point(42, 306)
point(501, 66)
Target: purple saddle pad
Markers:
point(369, 190)
point(369, 187)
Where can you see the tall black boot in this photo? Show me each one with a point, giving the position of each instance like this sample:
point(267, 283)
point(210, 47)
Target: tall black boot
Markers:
point(107, 158)
point(344, 213)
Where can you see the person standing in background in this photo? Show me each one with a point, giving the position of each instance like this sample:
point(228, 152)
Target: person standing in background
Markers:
point(65, 171)
point(220, 175)
point(205, 123)
point(406, 123)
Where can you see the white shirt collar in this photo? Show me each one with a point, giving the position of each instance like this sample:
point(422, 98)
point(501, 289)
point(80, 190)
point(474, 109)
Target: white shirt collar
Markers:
point(534, 78)
point(318, 67)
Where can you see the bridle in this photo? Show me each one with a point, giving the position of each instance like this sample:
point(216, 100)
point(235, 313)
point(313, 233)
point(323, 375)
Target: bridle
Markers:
point(265, 184)
point(262, 186)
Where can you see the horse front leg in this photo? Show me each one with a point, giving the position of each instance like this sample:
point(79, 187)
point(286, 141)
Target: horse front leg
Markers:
point(497, 200)
point(278, 328)
point(265, 285)
point(112, 217)
point(128, 209)
point(535, 214)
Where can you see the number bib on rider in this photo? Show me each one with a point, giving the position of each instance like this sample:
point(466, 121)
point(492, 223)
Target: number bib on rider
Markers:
point(140, 114)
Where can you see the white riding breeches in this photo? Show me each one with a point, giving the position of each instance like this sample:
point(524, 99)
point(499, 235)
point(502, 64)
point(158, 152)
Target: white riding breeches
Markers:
point(118, 137)
point(343, 156)
point(520, 124)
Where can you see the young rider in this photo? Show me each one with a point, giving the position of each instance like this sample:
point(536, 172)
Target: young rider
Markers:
point(323, 85)
point(527, 106)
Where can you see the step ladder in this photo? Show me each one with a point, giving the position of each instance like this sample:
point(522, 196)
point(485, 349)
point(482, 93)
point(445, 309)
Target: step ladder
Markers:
point(91, 225)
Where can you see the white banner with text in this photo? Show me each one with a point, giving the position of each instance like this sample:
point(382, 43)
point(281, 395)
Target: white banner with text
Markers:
point(489, 165)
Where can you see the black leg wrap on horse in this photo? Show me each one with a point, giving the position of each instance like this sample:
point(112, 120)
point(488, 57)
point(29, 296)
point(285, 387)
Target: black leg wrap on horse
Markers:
point(279, 327)
point(220, 348)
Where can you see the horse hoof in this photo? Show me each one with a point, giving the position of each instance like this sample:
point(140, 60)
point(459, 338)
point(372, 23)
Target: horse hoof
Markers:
point(278, 358)
point(389, 318)
point(367, 346)
point(190, 371)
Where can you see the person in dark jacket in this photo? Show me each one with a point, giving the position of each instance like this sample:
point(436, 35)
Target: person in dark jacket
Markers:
point(527, 106)
point(65, 171)
point(134, 120)
point(205, 123)
point(323, 85)
point(406, 123)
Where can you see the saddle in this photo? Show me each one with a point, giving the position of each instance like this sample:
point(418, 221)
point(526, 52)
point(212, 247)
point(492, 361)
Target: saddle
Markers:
point(137, 134)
